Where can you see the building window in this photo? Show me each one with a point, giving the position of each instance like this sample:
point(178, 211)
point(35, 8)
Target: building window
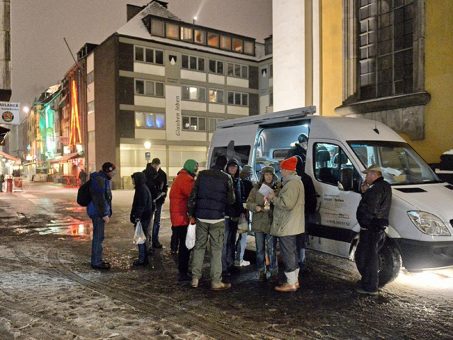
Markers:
point(171, 31)
point(192, 63)
point(194, 93)
point(238, 45)
point(186, 33)
point(225, 42)
point(238, 98)
point(193, 123)
point(216, 66)
point(148, 55)
point(213, 124)
point(90, 77)
point(271, 70)
point(239, 71)
point(213, 39)
point(200, 37)
point(385, 41)
point(157, 27)
point(216, 96)
point(145, 120)
point(149, 88)
point(90, 107)
point(249, 47)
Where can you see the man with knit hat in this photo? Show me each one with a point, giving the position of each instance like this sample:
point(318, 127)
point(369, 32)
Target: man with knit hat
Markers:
point(179, 195)
point(100, 210)
point(289, 221)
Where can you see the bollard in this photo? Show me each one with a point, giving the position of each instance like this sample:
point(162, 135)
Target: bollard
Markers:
point(9, 185)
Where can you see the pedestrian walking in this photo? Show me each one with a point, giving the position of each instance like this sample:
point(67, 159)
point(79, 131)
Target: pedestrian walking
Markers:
point(289, 221)
point(156, 180)
point(142, 210)
point(179, 196)
point(82, 177)
point(212, 193)
point(233, 212)
point(246, 177)
point(372, 215)
point(100, 211)
point(309, 207)
point(261, 211)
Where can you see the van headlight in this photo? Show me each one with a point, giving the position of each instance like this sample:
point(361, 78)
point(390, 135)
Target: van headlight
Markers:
point(428, 223)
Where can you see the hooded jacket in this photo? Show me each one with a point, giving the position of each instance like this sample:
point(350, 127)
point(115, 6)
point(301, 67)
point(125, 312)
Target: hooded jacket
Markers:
point(179, 196)
point(157, 183)
point(234, 210)
point(262, 220)
point(101, 195)
point(142, 205)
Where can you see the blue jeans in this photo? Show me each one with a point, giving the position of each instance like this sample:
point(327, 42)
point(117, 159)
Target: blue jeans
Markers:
point(265, 242)
point(241, 244)
point(156, 224)
point(229, 243)
point(143, 248)
point(98, 238)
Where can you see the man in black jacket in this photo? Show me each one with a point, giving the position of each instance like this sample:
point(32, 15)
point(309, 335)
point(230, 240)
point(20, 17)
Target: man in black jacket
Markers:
point(372, 215)
point(142, 210)
point(156, 180)
point(212, 193)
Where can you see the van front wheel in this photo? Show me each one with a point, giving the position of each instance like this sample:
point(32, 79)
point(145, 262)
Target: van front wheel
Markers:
point(389, 263)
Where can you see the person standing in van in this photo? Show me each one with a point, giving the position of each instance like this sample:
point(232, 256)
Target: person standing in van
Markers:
point(289, 221)
point(373, 217)
point(233, 213)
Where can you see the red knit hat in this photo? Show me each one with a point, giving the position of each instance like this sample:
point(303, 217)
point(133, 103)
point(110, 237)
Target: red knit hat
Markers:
point(289, 164)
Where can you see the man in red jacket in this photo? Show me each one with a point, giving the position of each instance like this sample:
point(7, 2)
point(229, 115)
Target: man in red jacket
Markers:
point(179, 195)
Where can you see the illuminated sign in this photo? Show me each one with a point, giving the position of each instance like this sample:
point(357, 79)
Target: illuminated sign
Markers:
point(9, 113)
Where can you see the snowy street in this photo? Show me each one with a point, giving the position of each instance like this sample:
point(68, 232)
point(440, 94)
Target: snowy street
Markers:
point(49, 291)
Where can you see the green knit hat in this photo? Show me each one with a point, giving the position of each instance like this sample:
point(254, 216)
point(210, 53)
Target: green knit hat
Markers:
point(190, 166)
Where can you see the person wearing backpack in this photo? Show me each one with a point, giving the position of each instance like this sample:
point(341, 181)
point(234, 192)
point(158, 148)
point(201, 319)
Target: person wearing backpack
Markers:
point(142, 210)
point(100, 210)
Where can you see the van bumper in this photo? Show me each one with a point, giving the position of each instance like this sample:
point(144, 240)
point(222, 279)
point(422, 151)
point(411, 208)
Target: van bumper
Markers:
point(417, 255)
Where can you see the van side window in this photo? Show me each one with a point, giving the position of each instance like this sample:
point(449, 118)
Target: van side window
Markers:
point(332, 165)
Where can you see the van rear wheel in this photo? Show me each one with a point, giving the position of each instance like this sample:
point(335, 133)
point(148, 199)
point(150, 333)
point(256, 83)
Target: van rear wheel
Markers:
point(389, 263)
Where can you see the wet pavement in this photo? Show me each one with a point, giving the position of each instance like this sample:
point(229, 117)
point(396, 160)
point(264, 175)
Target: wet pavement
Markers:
point(49, 291)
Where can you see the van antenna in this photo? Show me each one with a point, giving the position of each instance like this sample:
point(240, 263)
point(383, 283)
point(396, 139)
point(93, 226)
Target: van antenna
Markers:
point(375, 124)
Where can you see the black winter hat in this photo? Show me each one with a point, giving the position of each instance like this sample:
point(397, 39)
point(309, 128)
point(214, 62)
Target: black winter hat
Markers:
point(108, 167)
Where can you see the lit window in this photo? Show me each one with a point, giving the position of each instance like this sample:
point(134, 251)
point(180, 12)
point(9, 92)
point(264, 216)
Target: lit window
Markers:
point(237, 45)
point(225, 42)
point(194, 93)
point(193, 123)
point(172, 31)
point(186, 34)
point(213, 39)
point(157, 27)
point(200, 37)
point(215, 96)
point(146, 120)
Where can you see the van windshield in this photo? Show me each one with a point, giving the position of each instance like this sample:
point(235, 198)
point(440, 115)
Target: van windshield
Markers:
point(399, 162)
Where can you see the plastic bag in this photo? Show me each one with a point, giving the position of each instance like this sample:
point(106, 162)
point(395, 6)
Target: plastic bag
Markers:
point(190, 237)
point(139, 235)
point(244, 223)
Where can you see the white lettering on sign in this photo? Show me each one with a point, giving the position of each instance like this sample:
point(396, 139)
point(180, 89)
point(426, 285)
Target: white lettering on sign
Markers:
point(178, 115)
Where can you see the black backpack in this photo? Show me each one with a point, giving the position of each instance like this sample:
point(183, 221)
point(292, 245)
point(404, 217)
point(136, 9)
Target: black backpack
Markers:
point(84, 195)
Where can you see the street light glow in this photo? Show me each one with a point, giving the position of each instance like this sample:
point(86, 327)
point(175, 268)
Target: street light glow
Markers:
point(147, 145)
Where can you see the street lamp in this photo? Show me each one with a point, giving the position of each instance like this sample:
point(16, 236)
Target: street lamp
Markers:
point(147, 145)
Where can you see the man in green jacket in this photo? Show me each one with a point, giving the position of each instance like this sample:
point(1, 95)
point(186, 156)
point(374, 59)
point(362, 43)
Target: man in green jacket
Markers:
point(289, 221)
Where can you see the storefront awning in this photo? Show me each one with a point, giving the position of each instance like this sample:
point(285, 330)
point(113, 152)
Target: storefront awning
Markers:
point(9, 157)
point(66, 158)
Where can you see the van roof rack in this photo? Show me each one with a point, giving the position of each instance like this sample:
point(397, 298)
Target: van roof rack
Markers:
point(269, 118)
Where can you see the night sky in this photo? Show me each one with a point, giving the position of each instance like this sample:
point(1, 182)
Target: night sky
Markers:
point(40, 57)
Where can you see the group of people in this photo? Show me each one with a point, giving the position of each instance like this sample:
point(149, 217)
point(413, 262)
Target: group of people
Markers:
point(216, 200)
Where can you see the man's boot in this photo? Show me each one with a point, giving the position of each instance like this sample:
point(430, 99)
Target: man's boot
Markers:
point(291, 284)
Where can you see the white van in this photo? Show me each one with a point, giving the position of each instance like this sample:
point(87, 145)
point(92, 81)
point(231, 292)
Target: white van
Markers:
point(420, 235)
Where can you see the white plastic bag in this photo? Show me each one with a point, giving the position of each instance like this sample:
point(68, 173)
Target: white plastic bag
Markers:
point(190, 237)
point(244, 223)
point(139, 235)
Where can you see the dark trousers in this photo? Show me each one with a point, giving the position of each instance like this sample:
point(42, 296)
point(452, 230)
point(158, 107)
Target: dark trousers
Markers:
point(174, 243)
point(143, 248)
point(98, 238)
point(180, 233)
point(290, 256)
point(156, 224)
point(370, 243)
point(301, 249)
point(229, 244)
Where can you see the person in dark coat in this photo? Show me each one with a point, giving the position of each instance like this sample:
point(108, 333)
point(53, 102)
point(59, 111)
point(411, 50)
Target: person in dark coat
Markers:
point(100, 211)
point(142, 210)
point(373, 216)
point(211, 194)
point(156, 180)
point(310, 206)
point(233, 213)
point(299, 148)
